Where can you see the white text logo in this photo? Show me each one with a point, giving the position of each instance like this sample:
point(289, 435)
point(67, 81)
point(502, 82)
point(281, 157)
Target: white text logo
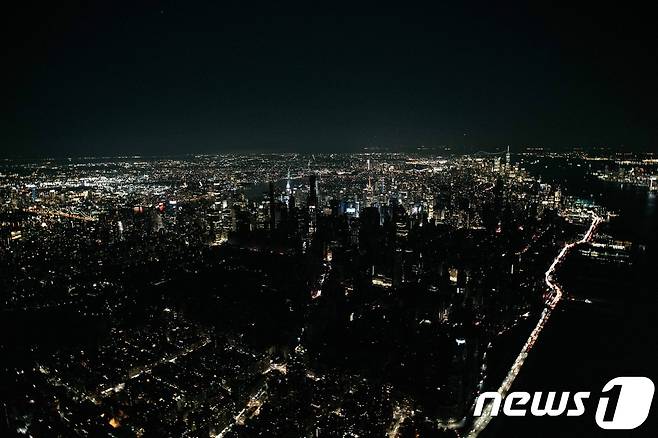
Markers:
point(625, 403)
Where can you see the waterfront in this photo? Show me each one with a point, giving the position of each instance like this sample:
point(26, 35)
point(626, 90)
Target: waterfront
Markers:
point(586, 345)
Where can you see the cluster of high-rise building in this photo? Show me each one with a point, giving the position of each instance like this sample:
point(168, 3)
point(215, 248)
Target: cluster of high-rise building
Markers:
point(276, 294)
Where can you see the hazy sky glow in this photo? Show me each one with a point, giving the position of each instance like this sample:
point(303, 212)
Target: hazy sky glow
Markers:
point(167, 78)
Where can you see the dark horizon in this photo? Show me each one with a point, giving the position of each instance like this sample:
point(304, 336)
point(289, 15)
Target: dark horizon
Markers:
point(169, 79)
point(438, 151)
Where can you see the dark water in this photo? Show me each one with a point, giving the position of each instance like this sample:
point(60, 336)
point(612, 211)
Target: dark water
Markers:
point(586, 345)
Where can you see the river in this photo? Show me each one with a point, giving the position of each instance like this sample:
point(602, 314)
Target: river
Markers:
point(585, 345)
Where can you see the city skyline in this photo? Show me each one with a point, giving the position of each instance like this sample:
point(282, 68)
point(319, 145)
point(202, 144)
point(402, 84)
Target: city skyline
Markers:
point(265, 219)
point(377, 294)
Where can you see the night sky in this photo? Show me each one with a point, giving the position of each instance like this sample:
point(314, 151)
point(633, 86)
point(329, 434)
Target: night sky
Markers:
point(175, 77)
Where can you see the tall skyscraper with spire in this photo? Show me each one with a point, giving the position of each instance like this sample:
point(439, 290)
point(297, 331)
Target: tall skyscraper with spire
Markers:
point(288, 189)
point(369, 188)
point(288, 193)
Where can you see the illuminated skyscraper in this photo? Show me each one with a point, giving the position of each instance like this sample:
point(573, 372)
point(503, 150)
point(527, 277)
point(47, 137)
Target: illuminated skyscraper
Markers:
point(288, 189)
